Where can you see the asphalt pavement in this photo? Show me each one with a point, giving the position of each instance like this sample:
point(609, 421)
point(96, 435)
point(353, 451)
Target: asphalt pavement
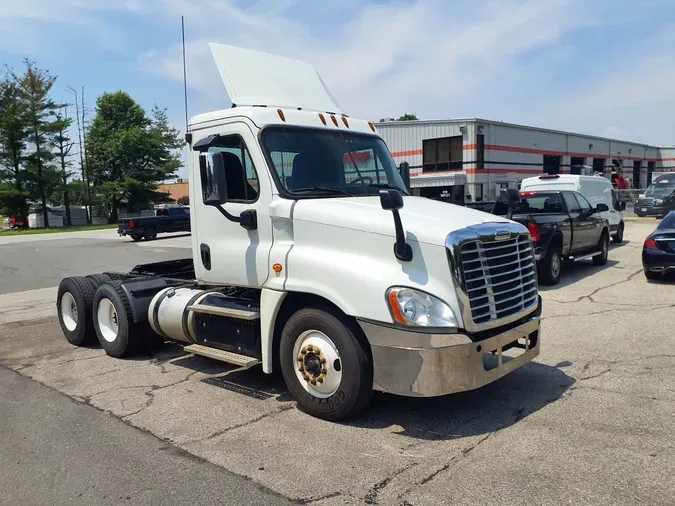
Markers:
point(58, 451)
point(590, 421)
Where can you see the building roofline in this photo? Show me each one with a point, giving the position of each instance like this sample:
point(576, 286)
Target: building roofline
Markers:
point(517, 125)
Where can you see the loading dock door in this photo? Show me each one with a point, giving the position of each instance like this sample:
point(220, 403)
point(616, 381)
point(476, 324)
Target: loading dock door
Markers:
point(551, 164)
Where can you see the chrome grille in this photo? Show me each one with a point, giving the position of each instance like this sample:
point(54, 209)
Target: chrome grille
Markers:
point(499, 277)
point(647, 202)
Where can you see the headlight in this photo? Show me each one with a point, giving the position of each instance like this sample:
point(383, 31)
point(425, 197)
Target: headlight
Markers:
point(658, 201)
point(416, 308)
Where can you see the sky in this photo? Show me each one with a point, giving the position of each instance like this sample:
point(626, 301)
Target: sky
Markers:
point(602, 67)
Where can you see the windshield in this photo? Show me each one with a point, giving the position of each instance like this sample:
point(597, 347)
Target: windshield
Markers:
point(312, 162)
point(661, 188)
point(668, 222)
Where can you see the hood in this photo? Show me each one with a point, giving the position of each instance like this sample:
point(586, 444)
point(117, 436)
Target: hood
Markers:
point(424, 220)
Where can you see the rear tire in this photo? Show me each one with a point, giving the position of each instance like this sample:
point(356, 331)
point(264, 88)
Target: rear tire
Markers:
point(600, 260)
point(113, 321)
point(339, 380)
point(150, 234)
point(618, 238)
point(73, 306)
point(550, 269)
point(97, 280)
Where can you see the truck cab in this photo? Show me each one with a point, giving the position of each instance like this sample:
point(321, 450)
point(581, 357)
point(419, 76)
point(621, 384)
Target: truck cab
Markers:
point(310, 257)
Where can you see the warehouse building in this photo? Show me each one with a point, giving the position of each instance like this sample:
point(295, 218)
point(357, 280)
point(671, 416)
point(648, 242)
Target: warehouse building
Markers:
point(465, 160)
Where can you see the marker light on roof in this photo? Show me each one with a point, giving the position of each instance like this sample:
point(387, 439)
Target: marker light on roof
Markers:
point(281, 114)
point(344, 120)
point(372, 127)
point(334, 120)
point(322, 118)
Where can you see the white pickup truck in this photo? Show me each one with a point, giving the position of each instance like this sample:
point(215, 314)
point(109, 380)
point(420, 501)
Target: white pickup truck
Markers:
point(310, 257)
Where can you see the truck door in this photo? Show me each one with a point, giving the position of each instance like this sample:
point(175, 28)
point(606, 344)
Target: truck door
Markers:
point(224, 251)
point(590, 222)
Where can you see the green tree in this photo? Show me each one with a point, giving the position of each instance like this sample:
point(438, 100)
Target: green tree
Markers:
point(13, 202)
point(63, 146)
point(129, 153)
point(13, 132)
point(34, 88)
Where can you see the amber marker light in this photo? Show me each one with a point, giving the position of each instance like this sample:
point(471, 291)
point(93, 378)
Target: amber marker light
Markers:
point(395, 308)
point(281, 114)
point(277, 268)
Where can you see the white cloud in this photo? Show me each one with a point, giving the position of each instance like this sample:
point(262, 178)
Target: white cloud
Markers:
point(500, 59)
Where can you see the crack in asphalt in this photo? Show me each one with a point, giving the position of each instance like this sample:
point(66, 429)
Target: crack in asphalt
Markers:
point(598, 290)
point(371, 495)
point(239, 425)
point(311, 500)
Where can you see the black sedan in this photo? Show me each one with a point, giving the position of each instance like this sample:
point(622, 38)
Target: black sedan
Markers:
point(658, 251)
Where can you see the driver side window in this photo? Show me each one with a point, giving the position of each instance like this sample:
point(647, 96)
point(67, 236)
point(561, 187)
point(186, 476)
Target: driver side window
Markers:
point(240, 173)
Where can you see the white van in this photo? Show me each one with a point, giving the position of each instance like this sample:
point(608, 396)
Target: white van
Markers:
point(596, 189)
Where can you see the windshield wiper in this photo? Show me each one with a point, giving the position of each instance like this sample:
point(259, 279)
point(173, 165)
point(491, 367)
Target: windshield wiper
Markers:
point(328, 189)
point(388, 186)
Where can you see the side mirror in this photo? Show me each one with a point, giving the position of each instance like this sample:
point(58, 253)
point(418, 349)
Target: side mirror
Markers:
point(602, 208)
point(623, 205)
point(212, 175)
point(404, 170)
point(391, 200)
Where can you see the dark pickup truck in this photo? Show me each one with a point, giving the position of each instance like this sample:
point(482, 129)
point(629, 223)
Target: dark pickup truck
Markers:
point(168, 219)
point(564, 227)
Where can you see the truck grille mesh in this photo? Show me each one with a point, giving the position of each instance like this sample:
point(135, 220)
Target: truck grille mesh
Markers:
point(499, 277)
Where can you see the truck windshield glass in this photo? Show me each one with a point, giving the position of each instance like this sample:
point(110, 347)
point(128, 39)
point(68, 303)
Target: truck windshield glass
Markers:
point(312, 162)
point(661, 188)
point(532, 204)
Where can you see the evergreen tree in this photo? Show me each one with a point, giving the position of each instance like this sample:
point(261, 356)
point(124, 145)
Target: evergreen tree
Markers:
point(63, 146)
point(39, 111)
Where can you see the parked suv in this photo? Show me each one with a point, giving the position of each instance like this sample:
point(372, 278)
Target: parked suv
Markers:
point(659, 198)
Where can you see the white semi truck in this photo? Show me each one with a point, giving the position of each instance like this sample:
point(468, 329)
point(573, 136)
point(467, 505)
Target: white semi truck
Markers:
point(310, 257)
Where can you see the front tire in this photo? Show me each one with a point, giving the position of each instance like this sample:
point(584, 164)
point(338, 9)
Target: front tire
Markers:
point(73, 306)
point(601, 259)
point(113, 320)
point(551, 269)
point(136, 237)
point(325, 365)
point(618, 238)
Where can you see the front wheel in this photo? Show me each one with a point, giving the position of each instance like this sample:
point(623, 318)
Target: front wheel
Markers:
point(604, 250)
point(326, 367)
point(618, 238)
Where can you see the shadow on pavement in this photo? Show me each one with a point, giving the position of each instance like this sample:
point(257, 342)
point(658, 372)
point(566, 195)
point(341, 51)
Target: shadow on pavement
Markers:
point(576, 271)
point(478, 412)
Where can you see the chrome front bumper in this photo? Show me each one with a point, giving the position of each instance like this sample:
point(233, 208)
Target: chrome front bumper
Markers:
point(416, 364)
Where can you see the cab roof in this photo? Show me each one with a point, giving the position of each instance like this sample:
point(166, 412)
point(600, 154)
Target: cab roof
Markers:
point(265, 116)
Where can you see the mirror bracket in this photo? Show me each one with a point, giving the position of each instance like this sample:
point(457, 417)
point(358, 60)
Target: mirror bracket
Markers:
point(392, 200)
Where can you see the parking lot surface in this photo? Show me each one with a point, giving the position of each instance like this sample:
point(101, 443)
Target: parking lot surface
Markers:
point(589, 422)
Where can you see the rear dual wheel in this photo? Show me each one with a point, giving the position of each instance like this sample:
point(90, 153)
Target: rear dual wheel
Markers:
point(74, 301)
point(325, 364)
